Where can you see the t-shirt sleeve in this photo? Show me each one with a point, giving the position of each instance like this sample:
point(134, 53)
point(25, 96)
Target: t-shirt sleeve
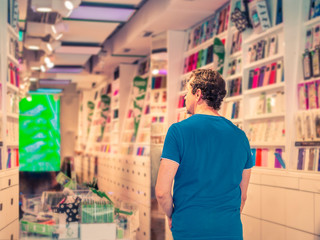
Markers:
point(171, 147)
point(250, 162)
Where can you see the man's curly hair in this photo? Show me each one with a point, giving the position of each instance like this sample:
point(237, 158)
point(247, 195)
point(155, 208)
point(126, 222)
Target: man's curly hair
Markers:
point(211, 84)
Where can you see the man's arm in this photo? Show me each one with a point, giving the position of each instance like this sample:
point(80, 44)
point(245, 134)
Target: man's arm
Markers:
point(244, 186)
point(166, 174)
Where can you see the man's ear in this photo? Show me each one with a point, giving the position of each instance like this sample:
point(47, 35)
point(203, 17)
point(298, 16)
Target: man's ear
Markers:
point(198, 94)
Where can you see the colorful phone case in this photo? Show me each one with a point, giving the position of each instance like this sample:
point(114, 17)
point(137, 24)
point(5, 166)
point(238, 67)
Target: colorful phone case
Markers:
point(273, 73)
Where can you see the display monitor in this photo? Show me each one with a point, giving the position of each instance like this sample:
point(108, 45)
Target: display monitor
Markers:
point(39, 129)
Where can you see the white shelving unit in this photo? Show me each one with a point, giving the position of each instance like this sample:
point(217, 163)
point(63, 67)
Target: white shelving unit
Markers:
point(9, 173)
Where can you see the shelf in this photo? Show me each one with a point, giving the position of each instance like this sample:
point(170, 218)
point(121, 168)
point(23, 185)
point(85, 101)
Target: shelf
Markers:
point(12, 31)
point(270, 31)
point(312, 21)
point(181, 109)
point(158, 135)
point(307, 143)
point(264, 60)
point(183, 92)
point(310, 80)
point(157, 144)
point(142, 143)
point(287, 173)
point(235, 121)
point(234, 76)
point(267, 115)
point(234, 98)
point(185, 75)
point(13, 115)
point(266, 144)
point(13, 144)
point(145, 75)
point(265, 88)
point(236, 54)
point(11, 87)
point(13, 59)
point(204, 44)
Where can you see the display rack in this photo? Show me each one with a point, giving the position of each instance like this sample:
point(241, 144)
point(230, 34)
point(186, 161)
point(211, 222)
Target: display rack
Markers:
point(306, 111)
point(9, 107)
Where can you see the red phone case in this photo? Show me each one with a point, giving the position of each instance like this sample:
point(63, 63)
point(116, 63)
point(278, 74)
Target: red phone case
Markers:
point(273, 73)
point(256, 78)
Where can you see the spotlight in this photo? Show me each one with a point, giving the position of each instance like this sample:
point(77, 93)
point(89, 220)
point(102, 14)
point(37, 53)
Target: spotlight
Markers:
point(47, 60)
point(53, 29)
point(49, 47)
point(68, 5)
point(59, 36)
point(50, 65)
point(63, 7)
point(155, 71)
point(34, 69)
point(29, 98)
point(44, 9)
point(32, 79)
point(42, 68)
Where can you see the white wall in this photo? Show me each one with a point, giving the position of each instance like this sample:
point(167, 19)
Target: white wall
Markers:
point(69, 110)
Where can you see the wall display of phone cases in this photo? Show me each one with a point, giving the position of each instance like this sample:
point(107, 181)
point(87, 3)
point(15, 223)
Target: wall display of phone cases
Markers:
point(234, 67)
point(232, 110)
point(216, 24)
point(311, 55)
point(236, 44)
point(12, 131)
point(314, 10)
point(266, 103)
point(263, 17)
point(234, 87)
point(13, 74)
point(308, 159)
point(12, 102)
point(266, 132)
point(262, 49)
point(271, 73)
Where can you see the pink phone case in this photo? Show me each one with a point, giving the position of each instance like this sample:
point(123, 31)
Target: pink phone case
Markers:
point(256, 78)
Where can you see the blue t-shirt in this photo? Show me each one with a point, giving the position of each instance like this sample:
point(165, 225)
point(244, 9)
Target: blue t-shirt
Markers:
point(212, 153)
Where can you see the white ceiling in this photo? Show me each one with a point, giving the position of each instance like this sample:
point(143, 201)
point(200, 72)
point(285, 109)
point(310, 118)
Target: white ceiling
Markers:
point(155, 15)
point(126, 2)
point(71, 59)
point(175, 15)
point(88, 32)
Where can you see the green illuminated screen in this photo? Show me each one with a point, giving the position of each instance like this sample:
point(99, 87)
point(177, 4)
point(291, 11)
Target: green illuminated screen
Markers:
point(39, 129)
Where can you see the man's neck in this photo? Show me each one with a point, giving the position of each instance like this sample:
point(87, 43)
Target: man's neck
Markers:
point(206, 110)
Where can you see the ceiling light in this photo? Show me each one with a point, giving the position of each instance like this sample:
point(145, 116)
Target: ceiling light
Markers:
point(44, 9)
point(34, 69)
point(47, 60)
point(91, 12)
point(32, 47)
point(49, 47)
point(22, 86)
point(29, 98)
point(42, 68)
point(32, 79)
point(155, 71)
point(50, 65)
point(54, 30)
point(25, 78)
point(69, 5)
point(59, 36)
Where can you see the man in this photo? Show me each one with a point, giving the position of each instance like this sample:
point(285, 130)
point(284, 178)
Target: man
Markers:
point(210, 159)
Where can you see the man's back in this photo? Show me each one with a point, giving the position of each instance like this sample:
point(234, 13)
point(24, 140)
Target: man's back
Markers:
point(212, 154)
